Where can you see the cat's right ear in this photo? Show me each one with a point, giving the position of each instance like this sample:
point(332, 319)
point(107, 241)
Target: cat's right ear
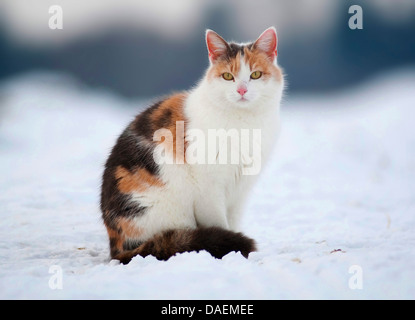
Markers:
point(216, 45)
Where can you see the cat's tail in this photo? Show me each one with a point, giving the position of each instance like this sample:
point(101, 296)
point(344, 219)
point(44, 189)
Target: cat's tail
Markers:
point(217, 241)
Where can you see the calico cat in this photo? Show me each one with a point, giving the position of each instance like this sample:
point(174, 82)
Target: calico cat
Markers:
point(160, 209)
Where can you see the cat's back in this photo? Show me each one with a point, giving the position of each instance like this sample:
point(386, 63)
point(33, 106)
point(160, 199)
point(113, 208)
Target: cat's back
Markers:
point(161, 115)
point(131, 167)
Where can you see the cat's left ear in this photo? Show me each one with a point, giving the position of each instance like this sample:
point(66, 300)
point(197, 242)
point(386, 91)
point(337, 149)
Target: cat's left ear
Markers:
point(216, 45)
point(267, 42)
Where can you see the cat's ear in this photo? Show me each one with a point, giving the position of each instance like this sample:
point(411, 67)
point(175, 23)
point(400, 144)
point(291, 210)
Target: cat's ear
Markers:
point(267, 42)
point(216, 45)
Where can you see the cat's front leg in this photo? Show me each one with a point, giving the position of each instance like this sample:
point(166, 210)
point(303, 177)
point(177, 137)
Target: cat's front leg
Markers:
point(234, 214)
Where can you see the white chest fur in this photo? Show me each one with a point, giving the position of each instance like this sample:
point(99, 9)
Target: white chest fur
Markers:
point(236, 144)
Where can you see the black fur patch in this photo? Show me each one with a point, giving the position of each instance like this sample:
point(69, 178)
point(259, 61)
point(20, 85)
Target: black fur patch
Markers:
point(219, 242)
point(129, 152)
point(234, 49)
point(142, 125)
point(113, 247)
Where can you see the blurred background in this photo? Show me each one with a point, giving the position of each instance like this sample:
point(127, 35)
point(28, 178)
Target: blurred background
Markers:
point(143, 48)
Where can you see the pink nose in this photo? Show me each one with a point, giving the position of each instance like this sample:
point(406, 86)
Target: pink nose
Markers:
point(242, 90)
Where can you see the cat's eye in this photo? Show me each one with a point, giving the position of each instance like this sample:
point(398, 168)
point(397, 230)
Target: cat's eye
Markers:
point(256, 75)
point(227, 76)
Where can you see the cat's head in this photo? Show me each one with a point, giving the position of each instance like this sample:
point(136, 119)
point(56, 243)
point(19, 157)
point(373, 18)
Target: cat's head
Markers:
point(243, 75)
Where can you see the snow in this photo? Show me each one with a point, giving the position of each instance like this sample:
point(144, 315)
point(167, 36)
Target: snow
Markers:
point(333, 210)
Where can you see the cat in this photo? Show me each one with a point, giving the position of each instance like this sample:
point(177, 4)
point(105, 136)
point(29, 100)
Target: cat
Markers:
point(161, 209)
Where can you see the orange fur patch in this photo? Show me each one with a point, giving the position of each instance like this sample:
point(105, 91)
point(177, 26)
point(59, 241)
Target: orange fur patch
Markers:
point(125, 229)
point(116, 241)
point(167, 116)
point(259, 61)
point(129, 229)
point(139, 180)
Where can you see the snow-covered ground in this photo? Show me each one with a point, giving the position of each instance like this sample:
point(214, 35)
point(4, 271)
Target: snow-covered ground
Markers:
point(333, 214)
